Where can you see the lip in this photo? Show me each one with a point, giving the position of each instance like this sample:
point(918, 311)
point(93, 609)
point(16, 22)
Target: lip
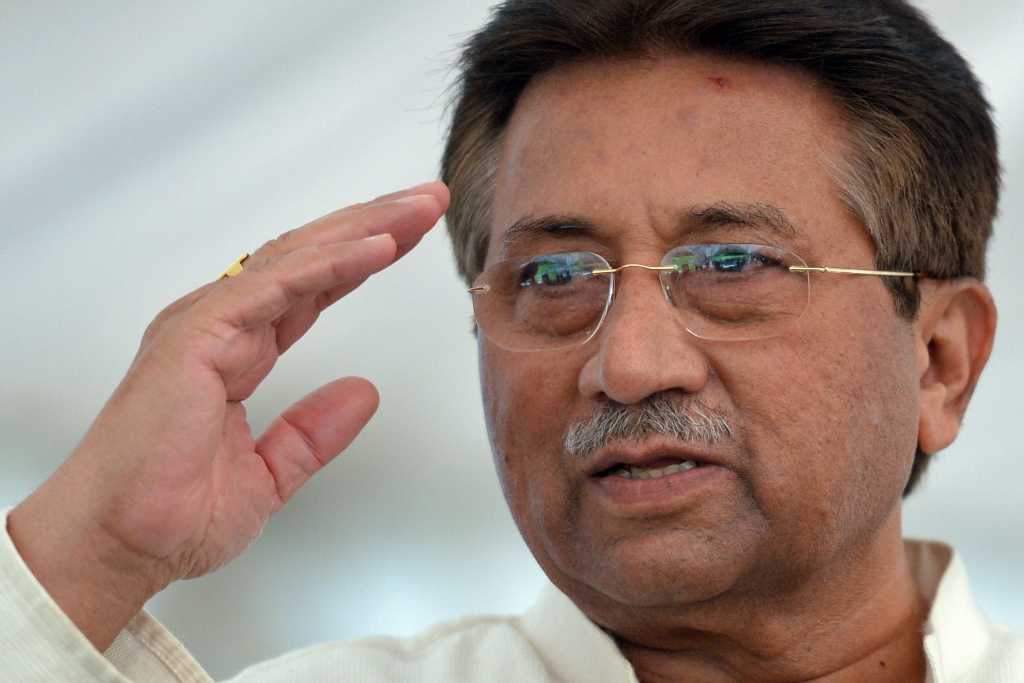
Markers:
point(654, 496)
point(651, 452)
point(665, 494)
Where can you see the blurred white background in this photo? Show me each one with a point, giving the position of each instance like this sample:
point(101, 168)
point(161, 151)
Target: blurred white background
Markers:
point(145, 145)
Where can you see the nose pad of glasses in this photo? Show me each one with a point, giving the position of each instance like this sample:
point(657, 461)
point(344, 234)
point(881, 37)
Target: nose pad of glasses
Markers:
point(637, 275)
point(684, 312)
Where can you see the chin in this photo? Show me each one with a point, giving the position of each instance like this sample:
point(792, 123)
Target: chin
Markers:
point(669, 568)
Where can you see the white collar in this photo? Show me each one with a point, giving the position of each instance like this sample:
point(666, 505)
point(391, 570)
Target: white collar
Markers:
point(957, 634)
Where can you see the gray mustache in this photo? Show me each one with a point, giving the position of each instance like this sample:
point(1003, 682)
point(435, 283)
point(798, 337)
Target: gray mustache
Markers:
point(684, 419)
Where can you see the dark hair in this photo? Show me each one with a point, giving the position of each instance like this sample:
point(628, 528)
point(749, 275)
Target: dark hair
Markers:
point(923, 173)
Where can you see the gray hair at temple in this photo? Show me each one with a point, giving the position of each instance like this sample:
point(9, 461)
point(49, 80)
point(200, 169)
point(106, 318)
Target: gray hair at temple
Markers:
point(923, 171)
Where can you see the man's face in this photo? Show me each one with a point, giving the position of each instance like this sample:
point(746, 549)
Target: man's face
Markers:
point(823, 417)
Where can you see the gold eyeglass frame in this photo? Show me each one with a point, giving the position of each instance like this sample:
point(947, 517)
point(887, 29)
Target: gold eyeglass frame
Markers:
point(801, 269)
point(792, 269)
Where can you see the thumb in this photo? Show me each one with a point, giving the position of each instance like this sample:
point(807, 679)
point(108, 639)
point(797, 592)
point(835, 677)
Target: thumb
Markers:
point(314, 430)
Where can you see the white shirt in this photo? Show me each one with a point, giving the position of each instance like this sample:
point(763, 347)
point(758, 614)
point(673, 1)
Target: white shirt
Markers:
point(553, 642)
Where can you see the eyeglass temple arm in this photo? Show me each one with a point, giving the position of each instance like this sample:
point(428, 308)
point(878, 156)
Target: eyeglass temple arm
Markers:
point(792, 269)
point(851, 271)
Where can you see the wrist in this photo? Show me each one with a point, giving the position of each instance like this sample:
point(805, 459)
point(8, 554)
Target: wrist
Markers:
point(95, 580)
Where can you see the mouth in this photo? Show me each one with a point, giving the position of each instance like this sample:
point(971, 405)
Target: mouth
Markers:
point(653, 458)
point(655, 476)
point(656, 471)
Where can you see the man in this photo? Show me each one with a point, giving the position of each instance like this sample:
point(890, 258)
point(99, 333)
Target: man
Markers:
point(726, 262)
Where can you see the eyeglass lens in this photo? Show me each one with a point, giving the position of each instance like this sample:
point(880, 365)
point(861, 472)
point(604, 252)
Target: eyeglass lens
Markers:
point(719, 291)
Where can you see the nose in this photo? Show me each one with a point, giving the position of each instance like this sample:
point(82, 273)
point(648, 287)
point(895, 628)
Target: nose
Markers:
point(642, 346)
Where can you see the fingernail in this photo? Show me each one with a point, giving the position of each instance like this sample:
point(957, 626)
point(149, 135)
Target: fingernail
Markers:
point(414, 198)
point(377, 237)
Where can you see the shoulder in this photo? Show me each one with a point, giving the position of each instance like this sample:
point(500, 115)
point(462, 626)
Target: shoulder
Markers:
point(479, 648)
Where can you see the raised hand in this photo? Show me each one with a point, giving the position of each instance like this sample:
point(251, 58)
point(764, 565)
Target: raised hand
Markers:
point(169, 483)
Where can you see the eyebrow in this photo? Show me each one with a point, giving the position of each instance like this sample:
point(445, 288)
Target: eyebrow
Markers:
point(562, 226)
point(727, 215)
point(699, 220)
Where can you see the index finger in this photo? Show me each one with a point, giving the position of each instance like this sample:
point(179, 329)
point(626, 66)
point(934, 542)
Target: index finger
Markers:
point(264, 293)
point(405, 215)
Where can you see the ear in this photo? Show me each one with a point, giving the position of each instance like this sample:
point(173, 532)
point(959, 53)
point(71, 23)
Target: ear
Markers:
point(955, 329)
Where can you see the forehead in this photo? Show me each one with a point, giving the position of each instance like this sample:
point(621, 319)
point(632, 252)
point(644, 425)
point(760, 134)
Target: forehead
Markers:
point(629, 146)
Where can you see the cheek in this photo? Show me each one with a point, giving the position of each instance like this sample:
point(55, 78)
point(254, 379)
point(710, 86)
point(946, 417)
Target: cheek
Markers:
point(830, 418)
point(528, 401)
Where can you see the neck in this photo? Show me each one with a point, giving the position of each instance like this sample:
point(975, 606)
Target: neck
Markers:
point(859, 620)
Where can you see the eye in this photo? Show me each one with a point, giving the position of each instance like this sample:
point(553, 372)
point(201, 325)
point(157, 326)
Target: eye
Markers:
point(553, 270)
point(734, 260)
point(728, 261)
